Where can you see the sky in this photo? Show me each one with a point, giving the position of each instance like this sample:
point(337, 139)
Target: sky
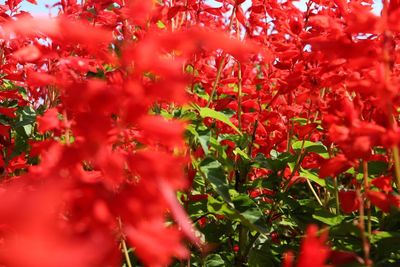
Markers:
point(41, 9)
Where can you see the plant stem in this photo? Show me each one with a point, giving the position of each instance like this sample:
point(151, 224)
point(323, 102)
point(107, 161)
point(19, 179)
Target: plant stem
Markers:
point(253, 138)
point(217, 78)
point(302, 148)
point(314, 193)
point(126, 253)
point(243, 240)
point(361, 226)
point(202, 174)
point(335, 185)
point(250, 244)
point(239, 112)
point(367, 204)
point(67, 129)
point(396, 159)
point(123, 244)
point(221, 65)
point(297, 165)
point(387, 73)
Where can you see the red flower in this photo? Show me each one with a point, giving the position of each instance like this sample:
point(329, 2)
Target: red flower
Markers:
point(384, 201)
point(344, 257)
point(313, 251)
point(334, 166)
point(384, 183)
point(28, 53)
point(155, 244)
point(349, 201)
point(9, 112)
point(49, 120)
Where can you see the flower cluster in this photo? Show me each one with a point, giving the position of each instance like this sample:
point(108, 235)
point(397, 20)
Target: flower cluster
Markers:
point(200, 133)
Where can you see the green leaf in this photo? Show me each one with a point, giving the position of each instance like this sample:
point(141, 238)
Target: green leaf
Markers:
point(241, 153)
point(27, 117)
point(215, 231)
point(203, 137)
point(249, 213)
point(214, 260)
point(327, 217)
point(301, 121)
point(210, 113)
point(312, 177)
point(215, 175)
point(262, 254)
point(375, 168)
point(276, 164)
point(309, 146)
point(383, 235)
point(21, 143)
point(197, 208)
point(243, 210)
point(160, 24)
point(28, 129)
point(260, 161)
point(199, 91)
point(216, 206)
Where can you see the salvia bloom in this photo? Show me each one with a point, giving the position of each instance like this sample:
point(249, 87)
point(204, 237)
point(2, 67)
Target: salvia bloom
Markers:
point(199, 133)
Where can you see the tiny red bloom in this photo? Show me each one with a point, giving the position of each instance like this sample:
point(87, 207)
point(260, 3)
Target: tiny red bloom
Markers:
point(380, 200)
point(49, 120)
point(349, 201)
point(384, 183)
point(334, 166)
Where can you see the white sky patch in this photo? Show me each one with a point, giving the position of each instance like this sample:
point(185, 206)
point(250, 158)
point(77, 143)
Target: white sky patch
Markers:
point(41, 9)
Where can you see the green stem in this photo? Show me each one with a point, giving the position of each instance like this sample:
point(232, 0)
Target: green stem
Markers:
point(361, 226)
point(335, 185)
point(387, 74)
point(239, 96)
point(314, 193)
point(297, 164)
point(217, 78)
point(126, 253)
point(243, 240)
point(123, 244)
point(250, 244)
point(367, 204)
point(396, 159)
point(202, 174)
point(221, 65)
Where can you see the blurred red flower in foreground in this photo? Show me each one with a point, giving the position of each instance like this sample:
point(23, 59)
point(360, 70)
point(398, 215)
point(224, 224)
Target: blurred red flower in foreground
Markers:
point(313, 250)
point(349, 201)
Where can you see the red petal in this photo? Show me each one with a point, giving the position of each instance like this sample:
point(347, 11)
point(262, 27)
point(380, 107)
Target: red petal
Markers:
point(27, 54)
point(384, 183)
point(334, 166)
point(49, 120)
point(349, 201)
point(380, 200)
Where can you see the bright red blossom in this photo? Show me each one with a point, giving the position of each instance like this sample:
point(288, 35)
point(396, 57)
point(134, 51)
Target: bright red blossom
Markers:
point(349, 201)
